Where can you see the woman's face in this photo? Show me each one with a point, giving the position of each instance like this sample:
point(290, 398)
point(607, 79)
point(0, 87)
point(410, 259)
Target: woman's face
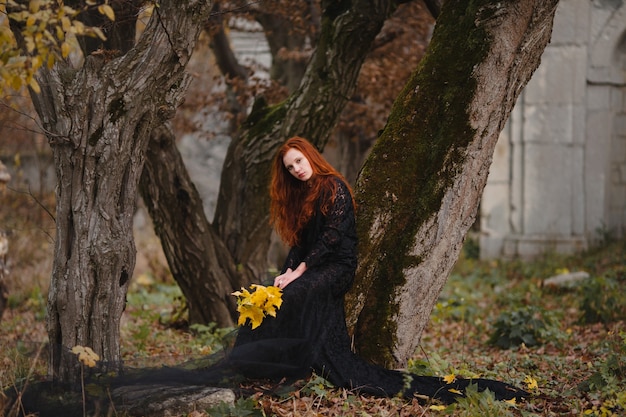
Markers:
point(297, 164)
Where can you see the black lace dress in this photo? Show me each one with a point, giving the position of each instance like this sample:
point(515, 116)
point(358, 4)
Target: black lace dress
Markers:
point(309, 331)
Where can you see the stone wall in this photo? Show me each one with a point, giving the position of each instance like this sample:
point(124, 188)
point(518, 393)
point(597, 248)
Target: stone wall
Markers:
point(558, 178)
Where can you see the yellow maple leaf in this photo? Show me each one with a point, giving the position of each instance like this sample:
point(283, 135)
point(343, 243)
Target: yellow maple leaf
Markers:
point(242, 294)
point(86, 355)
point(270, 310)
point(455, 391)
point(258, 297)
point(512, 401)
point(274, 295)
point(252, 312)
point(531, 383)
point(450, 378)
point(274, 300)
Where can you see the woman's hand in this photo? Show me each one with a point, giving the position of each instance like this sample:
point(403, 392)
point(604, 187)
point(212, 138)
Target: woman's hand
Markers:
point(289, 276)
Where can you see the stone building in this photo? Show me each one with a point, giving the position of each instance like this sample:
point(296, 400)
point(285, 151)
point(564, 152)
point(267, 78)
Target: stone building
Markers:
point(558, 177)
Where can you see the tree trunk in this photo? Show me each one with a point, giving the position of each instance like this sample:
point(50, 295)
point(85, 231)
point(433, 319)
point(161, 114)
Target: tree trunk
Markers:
point(4, 269)
point(419, 190)
point(98, 121)
point(199, 261)
point(282, 39)
point(5, 177)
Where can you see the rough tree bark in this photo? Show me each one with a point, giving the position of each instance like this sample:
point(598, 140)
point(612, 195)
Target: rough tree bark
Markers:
point(98, 120)
point(5, 177)
point(4, 269)
point(282, 39)
point(419, 190)
point(199, 261)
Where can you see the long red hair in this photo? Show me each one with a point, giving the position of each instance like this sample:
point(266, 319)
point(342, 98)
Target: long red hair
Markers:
point(292, 200)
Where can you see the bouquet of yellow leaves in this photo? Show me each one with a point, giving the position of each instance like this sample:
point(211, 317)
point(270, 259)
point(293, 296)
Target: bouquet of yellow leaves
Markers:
point(255, 305)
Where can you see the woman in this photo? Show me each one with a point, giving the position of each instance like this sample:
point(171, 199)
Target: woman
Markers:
point(312, 210)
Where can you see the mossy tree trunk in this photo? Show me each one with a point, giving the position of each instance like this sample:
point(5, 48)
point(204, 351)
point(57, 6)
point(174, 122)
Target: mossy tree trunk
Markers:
point(98, 119)
point(419, 190)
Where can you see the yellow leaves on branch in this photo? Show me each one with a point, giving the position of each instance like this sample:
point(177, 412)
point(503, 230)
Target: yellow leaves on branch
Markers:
point(48, 31)
point(107, 10)
point(86, 356)
point(255, 305)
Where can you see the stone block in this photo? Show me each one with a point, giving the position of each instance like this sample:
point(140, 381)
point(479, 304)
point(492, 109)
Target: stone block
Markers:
point(499, 170)
point(532, 246)
point(608, 23)
point(621, 169)
point(578, 191)
point(618, 98)
point(619, 123)
point(598, 97)
point(494, 219)
point(566, 280)
point(560, 79)
point(579, 123)
point(550, 123)
point(618, 148)
point(549, 170)
point(491, 247)
point(571, 22)
point(618, 195)
point(600, 14)
point(495, 208)
point(596, 168)
point(616, 223)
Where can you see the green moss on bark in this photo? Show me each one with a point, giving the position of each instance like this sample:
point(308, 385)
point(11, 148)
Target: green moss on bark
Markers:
point(414, 162)
point(262, 118)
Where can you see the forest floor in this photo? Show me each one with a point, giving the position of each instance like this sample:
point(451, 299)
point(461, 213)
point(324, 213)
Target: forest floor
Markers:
point(565, 344)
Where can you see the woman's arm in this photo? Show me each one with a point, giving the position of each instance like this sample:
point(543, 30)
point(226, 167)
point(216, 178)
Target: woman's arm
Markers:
point(290, 275)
